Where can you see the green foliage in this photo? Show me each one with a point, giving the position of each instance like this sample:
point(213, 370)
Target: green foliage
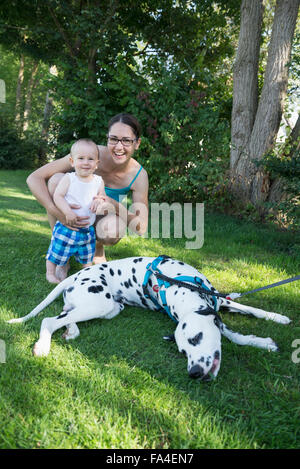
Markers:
point(187, 141)
point(16, 152)
point(113, 57)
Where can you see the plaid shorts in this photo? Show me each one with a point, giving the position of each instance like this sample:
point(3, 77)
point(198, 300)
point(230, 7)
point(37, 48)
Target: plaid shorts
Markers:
point(66, 243)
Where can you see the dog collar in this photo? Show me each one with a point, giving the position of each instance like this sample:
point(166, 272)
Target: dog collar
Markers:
point(152, 269)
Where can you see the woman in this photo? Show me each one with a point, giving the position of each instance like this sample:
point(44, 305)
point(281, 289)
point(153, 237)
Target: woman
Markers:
point(121, 173)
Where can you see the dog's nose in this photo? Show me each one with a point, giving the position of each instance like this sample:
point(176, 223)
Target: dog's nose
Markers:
point(196, 371)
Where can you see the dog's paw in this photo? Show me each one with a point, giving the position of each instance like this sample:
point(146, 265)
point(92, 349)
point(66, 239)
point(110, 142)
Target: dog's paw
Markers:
point(279, 318)
point(41, 349)
point(271, 346)
point(71, 332)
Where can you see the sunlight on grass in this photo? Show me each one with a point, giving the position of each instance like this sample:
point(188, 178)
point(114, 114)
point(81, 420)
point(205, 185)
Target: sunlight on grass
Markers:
point(119, 385)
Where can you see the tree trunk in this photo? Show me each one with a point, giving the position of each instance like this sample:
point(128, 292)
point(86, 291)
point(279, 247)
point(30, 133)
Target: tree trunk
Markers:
point(19, 90)
point(42, 151)
point(30, 87)
point(254, 131)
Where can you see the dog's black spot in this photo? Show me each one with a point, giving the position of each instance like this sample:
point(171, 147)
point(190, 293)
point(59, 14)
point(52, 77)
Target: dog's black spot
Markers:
point(111, 272)
point(208, 361)
point(139, 293)
point(196, 339)
point(184, 325)
point(183, 351)
point(139, 259)
point(62, 315)
point(95, 289)
point(201, 360)
point(87, 268)
point(85, 279)
point(164, 261)
point(133, 270)
point(101, 268)
point(130, 283)
point(176, 292)
point(104, 283)
point(104, 265)
point(126, 284)
point(144, 302)
point(134, 279)
point(70, 289)
point(93, 281)
point(181, 263)
point(150, 282)
point(217, 354)
point(119, 272)
point(175, 316)
point(108, 295)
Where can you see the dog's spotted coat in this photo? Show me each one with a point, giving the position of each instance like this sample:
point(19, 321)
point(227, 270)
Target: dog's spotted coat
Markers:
point(101, 291)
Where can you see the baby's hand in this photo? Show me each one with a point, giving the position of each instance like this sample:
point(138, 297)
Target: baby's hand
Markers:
point(97, 202)
point(71, 218)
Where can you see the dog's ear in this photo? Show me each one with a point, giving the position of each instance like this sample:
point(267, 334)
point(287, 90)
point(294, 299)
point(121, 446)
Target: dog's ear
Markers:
point(170, 338)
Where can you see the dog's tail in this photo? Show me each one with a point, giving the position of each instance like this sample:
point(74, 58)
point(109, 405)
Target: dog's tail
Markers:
point(51, 297)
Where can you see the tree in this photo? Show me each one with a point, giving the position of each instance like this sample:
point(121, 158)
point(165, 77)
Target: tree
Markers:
point(256, 119)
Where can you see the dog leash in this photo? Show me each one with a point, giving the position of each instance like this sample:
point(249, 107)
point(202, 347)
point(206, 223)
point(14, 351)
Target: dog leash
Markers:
point(228, 296)
point(199, 289)
point(233, 296)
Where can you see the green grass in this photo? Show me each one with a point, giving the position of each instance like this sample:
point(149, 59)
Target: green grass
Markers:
point(119, 385)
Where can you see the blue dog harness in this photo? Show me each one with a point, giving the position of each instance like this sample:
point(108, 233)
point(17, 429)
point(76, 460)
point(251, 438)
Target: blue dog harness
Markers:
point(152, 269)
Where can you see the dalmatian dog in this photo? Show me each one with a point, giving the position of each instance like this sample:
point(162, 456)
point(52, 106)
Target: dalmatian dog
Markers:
point(101, 291)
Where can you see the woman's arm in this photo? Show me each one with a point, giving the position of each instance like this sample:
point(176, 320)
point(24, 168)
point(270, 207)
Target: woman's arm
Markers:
point(37, 183)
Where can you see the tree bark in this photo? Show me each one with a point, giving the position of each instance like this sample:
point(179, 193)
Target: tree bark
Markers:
point(245, 82)
point(19, 90)
point(254, 133)
point(29, 90)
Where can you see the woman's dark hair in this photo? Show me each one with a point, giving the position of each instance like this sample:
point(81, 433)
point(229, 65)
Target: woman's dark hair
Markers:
point(127, 119)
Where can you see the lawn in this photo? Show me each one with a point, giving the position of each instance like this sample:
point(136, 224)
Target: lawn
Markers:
point(119, 385)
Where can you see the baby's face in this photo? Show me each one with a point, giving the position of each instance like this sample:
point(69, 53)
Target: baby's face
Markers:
point(84, 159)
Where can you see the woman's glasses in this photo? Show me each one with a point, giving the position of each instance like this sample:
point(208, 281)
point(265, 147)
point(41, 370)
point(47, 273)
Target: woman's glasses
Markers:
point(126, 142)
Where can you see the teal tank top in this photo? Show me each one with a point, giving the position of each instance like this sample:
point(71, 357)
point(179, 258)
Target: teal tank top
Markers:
point(119, 194)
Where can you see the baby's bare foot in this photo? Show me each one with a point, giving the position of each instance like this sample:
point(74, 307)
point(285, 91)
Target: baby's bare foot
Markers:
point(62, 271)
point(52, 278)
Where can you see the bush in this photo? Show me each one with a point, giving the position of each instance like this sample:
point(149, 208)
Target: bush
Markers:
point(16, 152)
point(288, 170)
point(186, 130)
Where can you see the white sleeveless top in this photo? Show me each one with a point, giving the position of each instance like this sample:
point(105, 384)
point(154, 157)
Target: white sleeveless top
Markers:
point(82, 193)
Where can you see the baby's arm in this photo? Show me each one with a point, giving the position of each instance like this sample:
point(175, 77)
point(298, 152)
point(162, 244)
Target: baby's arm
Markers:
point(61, 203)
point(100, 197)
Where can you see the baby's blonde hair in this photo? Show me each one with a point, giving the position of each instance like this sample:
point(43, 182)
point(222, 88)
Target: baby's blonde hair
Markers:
point(88, 141)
